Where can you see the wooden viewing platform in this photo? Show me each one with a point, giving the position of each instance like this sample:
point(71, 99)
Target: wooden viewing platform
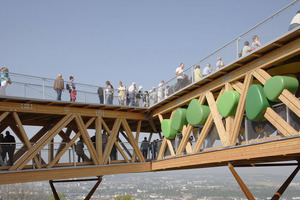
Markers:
point(68, 121)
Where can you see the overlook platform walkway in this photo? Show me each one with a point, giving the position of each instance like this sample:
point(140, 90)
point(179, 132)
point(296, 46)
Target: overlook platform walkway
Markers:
point(234, 140)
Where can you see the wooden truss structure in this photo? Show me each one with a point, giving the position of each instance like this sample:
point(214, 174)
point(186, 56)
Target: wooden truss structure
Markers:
point(123, 124)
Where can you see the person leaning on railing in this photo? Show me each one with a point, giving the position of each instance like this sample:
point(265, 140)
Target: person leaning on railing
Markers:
point(207, 70)
point(5, 80)
point(109, 93)
point(121, 93)
point(197, 73)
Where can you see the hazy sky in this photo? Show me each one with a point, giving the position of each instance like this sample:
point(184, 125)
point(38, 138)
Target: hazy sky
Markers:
point(132, 40)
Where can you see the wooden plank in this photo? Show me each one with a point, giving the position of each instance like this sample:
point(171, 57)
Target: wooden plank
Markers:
point(98, 137)
point(269, 151)
point(162, 149)
point(186, 131)
point(25, 138)
point(217, 119)
point(42, 143)
point(261, 75)
point(132, 140)
point(279, 123)
point(136, 139)
point(230, 119)
point(72, 172)
point(170, 146)
point(4, 115)
point(87, 140)
point(291, 101)
point(111, 140)
point(239, 115)
point(59, 110)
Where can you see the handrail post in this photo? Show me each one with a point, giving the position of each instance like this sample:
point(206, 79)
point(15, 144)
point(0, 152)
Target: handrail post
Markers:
point(44, 88)
point(237, 47)
point(74, 157)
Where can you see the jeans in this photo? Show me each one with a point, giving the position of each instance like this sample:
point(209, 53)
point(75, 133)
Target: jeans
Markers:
point(131, 99)
point(58, 91)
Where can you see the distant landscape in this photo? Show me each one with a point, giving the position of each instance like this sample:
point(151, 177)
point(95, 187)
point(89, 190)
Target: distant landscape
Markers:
point(212, 184)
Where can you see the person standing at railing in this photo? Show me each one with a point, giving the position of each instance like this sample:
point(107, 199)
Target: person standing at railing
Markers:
point(144, 147)
point(139, 97)
point(207, 70)
point(2, 163)
point(9, 147)
point(109, 93)
point(71, 87)
point(255, 43)
point(246, 49)
point(180, 76)
point(220, 63)
point(161, 91)
point(100, 94)
point(197, 73)
point(153, 96)
point(79, 149)
point(59, 86)
point(132, 93)
point(146, 99)
point(295, 21)
point(5, 80)
point(121, 94)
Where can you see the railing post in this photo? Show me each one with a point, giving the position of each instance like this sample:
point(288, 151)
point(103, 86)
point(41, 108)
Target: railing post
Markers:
point(237, 47)
point(44, 88)
point(74, 156)
point(246, 130)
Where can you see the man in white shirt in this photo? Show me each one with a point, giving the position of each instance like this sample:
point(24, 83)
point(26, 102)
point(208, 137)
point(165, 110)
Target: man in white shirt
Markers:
point(207, 70)
point(180, 76)
point(132, 92)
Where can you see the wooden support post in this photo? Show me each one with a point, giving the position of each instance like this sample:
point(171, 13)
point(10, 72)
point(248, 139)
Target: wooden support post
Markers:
point(87, 140)
point(239, 115)
point(88, 197)
point(55, 195)
point(98, 135)
point(42, 143)
point(25, 138)
point(281, 190)
point(241, 183)
point(217, 118)
point(137, 136)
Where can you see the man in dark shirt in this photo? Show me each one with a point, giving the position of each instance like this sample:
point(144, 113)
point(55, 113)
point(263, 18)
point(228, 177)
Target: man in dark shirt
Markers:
point(10, 146)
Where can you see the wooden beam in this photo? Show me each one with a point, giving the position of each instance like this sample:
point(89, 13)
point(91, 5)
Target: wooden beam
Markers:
point(87, 140)
point(217, 118)
point(111, 140)
point(132, 140)
point(73, 172)
point(239, 115)
point(60, 110)
point(42, 143)
point(279, 123)
point(4, 115)
point(137, 136)
point(25, 138)
point(67, 146)
point(98, 135)
point(241, 183)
